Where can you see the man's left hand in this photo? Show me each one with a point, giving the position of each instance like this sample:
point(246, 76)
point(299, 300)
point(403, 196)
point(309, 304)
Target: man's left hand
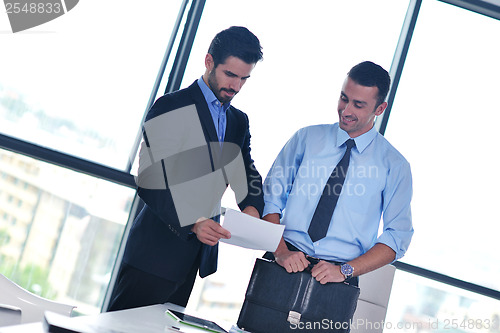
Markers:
point(325, 272)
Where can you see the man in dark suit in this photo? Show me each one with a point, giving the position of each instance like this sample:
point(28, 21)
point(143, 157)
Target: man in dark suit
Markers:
point(195, 144)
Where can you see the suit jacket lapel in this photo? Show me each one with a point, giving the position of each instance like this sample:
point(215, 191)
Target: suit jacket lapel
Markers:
point(230, 126)
point(207, 123)
point(206, 120)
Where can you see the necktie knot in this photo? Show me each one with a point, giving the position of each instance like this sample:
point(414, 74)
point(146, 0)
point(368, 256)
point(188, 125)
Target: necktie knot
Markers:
point(350, 143)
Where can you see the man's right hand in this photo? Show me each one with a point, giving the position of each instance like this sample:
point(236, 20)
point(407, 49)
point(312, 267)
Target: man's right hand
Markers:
point(292, 261)
point(209, 232)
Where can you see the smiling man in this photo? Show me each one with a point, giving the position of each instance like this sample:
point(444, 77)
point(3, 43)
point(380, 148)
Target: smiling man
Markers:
point(354, 176)
point(195, 143)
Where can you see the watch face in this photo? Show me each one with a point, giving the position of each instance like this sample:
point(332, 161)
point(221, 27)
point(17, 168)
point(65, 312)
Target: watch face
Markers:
point(346, 269)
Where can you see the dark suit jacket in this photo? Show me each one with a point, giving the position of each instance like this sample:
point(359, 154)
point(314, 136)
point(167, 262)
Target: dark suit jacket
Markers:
point(157, 243)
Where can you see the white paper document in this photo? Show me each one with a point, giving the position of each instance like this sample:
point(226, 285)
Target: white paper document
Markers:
point(250, 232)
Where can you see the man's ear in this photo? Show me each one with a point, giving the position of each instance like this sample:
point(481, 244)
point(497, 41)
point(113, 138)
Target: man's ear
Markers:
point(380, 109)
point(209, 62)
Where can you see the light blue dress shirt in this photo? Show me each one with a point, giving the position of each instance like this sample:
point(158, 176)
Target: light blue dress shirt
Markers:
point(217, 110)
point(378, 183)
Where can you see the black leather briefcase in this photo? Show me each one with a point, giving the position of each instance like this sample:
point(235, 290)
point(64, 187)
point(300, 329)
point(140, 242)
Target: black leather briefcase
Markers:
point(277, 301)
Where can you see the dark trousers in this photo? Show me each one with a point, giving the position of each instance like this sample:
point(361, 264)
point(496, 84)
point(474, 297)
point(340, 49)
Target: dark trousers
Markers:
point(135, 288)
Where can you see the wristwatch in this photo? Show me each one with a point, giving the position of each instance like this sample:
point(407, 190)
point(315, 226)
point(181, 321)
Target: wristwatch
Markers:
point(347, 270)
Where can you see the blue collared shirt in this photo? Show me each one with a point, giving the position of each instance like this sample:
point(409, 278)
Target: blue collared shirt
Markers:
point(217, 109)
point(378, 183)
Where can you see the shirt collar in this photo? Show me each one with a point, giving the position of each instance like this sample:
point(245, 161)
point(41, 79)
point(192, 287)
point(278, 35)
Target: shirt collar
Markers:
point(362, 141)
point(210, 96)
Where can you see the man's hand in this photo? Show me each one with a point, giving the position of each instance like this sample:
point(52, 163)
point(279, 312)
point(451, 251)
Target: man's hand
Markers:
point(209, 232)
point(292, 261)
point(325, 272)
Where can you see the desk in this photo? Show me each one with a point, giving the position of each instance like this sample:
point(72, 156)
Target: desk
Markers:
point(148, 319)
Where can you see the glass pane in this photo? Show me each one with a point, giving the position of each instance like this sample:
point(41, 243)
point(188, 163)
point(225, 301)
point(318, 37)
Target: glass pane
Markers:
point(80, 83)
point(308, 49)
point(59, 230)
point(445, 123)
point(422, 305)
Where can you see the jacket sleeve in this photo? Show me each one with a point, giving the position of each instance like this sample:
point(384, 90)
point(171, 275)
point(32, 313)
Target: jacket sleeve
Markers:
point(160, 140)
point(255, 195)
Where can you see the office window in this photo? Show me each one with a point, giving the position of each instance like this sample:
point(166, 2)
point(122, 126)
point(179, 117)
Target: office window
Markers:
point(444, 121)
point(423, 305)
point(63, 241)
point(80, 83)
point(308, 50)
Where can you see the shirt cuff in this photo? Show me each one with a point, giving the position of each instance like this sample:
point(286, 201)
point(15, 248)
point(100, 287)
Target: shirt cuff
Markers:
point(270, 208)
point(387, 239)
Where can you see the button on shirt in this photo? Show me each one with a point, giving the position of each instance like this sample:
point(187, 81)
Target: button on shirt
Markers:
point(378, 182)
point(217, 110)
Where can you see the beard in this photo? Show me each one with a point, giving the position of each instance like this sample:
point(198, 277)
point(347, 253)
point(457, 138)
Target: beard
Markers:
point(217, 90)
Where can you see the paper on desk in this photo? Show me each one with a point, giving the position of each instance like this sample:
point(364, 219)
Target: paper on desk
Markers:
point(250, 232)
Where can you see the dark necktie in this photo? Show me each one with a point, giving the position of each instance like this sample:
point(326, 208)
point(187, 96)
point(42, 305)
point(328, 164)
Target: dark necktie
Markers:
point(326, 205)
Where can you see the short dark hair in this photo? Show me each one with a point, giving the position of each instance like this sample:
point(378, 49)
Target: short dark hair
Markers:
point(369, 74)
point(237, 42)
